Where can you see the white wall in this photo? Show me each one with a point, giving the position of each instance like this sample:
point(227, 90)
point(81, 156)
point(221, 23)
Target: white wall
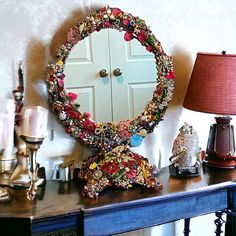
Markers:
point(32, 30)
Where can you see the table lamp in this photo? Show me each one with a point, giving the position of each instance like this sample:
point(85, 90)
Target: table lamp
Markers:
point(212, 89)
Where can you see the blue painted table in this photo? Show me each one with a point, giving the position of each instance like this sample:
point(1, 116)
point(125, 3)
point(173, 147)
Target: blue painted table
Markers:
point(60, 207)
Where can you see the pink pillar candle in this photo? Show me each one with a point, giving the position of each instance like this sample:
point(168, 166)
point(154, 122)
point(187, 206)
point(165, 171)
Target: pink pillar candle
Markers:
point(35, 121)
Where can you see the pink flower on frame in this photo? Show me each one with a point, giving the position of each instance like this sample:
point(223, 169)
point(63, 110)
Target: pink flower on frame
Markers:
point(87, 114)
point(73, 96)
point(126, 22)
point(83, 135)
point(131, 174)
point(60, 82)
point(73, 37)
point(116, 12)
point(128, 36)
point(107, 24)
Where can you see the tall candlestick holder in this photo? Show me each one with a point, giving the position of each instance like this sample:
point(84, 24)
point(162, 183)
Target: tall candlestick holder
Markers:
point(33, 144)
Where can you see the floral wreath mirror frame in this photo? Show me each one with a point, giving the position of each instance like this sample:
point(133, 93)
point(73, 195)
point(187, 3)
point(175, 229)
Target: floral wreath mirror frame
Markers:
point(110, 136)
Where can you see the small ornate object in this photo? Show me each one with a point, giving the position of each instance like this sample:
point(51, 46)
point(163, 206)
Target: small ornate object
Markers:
point(185, 151)
point(4, 195)
point(121, 168)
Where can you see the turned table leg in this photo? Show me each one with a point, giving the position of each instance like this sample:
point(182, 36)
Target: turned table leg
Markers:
point(186, 227)
point(230, 227)
point(219, 222)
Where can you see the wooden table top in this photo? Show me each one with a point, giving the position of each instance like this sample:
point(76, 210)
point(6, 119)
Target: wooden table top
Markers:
point(58, 198)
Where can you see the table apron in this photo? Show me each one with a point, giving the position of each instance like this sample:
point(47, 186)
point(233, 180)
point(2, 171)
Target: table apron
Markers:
point(130, 218)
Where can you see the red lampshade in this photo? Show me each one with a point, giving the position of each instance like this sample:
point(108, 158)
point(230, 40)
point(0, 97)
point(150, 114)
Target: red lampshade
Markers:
point(212, 87)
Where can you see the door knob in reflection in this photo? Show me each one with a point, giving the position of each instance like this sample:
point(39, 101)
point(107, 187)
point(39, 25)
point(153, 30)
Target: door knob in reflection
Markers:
point(103, 73)
point(117, 72)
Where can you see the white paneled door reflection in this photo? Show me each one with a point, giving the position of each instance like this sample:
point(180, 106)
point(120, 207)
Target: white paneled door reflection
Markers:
point(112, 97)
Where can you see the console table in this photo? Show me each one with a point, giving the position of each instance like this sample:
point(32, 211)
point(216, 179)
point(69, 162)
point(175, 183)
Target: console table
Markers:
point(60, 207)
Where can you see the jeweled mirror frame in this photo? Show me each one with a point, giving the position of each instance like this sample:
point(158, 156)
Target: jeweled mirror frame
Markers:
point(108, 135)
point(113, 162)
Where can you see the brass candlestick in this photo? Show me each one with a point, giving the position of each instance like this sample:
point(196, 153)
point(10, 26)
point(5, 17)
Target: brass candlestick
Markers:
point(33, 144)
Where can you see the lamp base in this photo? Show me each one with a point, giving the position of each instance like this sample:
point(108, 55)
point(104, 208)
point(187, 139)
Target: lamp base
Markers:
point(231, 164)
point(221, 145)
point(188, 171)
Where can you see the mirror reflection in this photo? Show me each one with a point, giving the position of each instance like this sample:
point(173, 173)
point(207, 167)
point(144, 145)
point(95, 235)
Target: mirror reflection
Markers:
point(113, 78)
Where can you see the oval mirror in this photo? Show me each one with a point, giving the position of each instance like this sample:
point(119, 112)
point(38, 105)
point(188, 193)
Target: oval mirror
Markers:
point(107, 135)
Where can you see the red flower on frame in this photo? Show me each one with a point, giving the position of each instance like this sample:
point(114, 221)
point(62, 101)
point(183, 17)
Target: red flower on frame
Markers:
point(69, 130)
point(158, 91)
point(72, 114)
point(51, 78)
point(130, 164)
point(89, 125)
point(170, 75)
point(142, 36)
point(149, 48)
point(128, 36)
point(110, 167)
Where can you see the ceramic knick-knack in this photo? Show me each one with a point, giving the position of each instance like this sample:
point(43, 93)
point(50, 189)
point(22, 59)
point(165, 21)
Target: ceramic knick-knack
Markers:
point(185, 148)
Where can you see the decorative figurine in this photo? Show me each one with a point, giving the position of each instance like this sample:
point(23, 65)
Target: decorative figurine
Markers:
point(185, 152)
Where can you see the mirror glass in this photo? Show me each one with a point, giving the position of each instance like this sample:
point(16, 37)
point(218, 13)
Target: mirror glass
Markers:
point(128, 126)
point(103, 66)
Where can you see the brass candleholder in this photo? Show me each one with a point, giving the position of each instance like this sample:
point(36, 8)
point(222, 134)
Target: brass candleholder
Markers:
point(33, 144)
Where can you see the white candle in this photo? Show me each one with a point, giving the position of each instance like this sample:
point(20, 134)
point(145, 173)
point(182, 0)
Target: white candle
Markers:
point(35, 121)
point(1, 130)
point(7, 120)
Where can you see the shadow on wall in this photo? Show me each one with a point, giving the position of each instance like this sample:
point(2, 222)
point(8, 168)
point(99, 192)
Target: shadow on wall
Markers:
point(182, 68)
point(168, 129)
point(35, 91)
point(37, 58)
